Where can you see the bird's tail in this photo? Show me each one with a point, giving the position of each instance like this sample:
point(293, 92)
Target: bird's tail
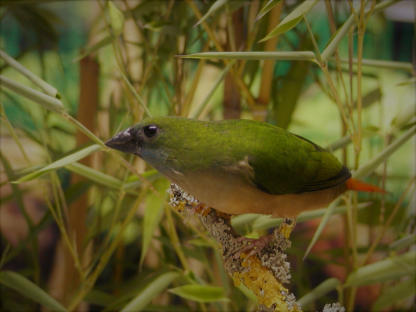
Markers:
point(357, 185)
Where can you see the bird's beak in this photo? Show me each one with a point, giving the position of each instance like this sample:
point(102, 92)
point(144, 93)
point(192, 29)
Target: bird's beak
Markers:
point(124, 141)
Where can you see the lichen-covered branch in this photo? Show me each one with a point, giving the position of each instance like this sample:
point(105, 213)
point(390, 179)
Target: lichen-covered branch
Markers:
point(263, 272)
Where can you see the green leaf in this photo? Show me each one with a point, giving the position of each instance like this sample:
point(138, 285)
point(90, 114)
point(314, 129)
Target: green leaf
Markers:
point(135, 94)
point(324, 221)
point(49, 102)
point(395, 293)
point(100, 298)
point(266, 222)
point(200, 293)
point(371, 165)
point(407, 82)
point(270, 4)
point(343, 30)
point(94, 175)
point(336, 38)
point(292, 19)
point(344, 141)
point(198, 110)
point(214, 7)
point(67, 160)
point(389, 269)
point(150, 292)
point(116, 18)
point(319, 291)
point(95, 47)
point(255, 55)
point(46, 87)
point(406, 66)
point(30, 290)
point(155, 205)
point(405, 116)
point(404, 242)
point(199, 242)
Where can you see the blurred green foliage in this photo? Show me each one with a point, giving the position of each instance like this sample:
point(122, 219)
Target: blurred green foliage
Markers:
point(138, 248)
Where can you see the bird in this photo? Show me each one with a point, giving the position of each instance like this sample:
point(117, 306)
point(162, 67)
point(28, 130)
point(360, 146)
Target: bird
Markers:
point(240, 166)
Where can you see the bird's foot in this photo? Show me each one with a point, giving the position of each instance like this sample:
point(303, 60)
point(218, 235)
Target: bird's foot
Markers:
point(255, 246)
point(252, 246)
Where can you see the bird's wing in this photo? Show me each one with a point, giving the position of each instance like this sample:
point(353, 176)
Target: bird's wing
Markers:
point(297, 165)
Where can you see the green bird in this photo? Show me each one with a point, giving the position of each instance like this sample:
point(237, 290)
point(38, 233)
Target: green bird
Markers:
point(240, 166)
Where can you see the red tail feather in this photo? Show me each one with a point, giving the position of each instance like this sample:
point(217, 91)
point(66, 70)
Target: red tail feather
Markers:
point(356, 185)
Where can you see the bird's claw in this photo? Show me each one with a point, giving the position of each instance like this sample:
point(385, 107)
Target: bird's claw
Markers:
point(253, 246)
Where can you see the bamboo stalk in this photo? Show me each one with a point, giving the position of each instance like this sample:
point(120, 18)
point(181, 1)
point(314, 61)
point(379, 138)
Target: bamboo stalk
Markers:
point(232, 95)
point(268, 65)
point(77, 214)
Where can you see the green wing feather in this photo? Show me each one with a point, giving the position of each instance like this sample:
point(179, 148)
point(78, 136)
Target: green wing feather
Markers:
point(292, 164)
point(285, 163)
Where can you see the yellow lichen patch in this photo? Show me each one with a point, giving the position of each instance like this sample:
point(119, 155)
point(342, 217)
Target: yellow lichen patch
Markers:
point(264, 285)
point(179, 207)
point(286, 228)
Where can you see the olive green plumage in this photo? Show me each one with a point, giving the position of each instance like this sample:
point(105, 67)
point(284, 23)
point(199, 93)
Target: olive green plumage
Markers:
point(280, 162)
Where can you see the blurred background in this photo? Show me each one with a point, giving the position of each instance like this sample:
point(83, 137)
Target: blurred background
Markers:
point(91, 234)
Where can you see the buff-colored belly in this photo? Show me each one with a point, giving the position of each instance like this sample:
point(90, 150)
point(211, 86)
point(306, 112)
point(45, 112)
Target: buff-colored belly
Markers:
point(232, 194)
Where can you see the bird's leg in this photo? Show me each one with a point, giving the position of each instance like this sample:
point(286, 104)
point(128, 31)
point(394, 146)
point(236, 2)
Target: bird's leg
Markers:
point(255, 246)
point(252, 245)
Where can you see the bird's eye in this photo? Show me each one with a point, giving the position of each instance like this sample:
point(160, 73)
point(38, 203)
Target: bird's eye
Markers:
point(150, 131)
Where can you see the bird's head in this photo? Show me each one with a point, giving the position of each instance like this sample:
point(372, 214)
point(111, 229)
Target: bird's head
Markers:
point(136, 139)
point(161, 141)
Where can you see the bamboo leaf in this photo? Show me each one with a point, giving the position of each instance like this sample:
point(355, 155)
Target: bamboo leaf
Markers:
point(200, 293)
point(336, 38)
point(255, 55)
point(407, 82)
point(100, 298)
point(116, 18)
point(134, 181)
point(270, 4)
point(343, 30)
point(136, 95)
point(94, 175)
point(407, 66)
point(30, 290)
point(155, 205)
point(214, 7)
point(319, 291)
point(85, 130)
point(265, 222)
point(49, 102)
point(405, 117)
point(151, 291)
point(200, 108)
point(61, 162)
point(395, 293)
point(46, 87)
point(370, 166)
point(94, 48)
point(292, 19)
point(404, 242)
point(324, 221)
point(389, 269)
point(344, 141)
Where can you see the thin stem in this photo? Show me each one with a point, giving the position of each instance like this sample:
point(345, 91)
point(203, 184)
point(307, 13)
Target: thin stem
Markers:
point(174, 239)
point(90, 281)
point(389, 221)
point(237, 78)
